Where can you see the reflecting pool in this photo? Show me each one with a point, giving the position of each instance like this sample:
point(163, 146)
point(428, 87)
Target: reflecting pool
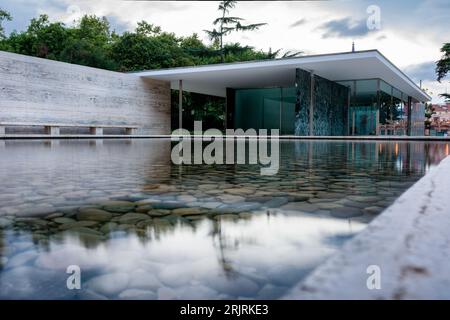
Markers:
point(139, 227)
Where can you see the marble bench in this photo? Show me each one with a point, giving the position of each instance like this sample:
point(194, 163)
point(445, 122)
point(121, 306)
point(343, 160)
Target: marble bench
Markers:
point(53, 128)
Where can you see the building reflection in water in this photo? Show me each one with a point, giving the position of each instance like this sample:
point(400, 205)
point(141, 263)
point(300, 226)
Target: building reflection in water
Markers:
point(235, 234)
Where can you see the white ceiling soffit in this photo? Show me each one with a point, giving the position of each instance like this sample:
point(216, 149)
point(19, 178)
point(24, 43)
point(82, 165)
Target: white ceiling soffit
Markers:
point(214, 79)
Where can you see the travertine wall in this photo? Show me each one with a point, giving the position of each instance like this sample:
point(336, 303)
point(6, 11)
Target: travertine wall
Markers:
point(34, 90)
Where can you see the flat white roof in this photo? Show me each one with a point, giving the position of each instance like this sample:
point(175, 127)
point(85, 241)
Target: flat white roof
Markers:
point(214, 79)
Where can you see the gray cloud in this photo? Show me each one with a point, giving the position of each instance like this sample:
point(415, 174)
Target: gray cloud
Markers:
point(344, 28)
point(298, 23)
point(422, 71)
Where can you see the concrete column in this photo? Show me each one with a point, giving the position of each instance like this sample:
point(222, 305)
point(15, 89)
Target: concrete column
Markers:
point(96, 131)
point(180, 104)
point(53, 131)
point(311, 106)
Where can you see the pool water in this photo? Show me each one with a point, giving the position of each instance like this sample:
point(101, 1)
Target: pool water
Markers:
point(140, 227)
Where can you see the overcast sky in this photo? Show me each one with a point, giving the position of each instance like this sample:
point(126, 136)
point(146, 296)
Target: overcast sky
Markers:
point(410, 32)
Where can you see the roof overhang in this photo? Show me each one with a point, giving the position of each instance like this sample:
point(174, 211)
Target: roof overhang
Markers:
point(214, 79)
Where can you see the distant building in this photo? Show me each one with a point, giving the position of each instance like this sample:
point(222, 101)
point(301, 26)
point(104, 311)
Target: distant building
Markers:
point(442, 112)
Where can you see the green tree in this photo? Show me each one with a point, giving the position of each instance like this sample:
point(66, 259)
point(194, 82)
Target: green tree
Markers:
point(42, 39)
point(149, 48)
point(4, 15)
point(443, 66)
point(227, 24)
point(89, 43)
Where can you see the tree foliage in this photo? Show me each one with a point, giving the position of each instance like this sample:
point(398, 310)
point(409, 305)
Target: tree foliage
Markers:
point(4, 15)
point(227, 24)
point(91, 42)
point(443, 66)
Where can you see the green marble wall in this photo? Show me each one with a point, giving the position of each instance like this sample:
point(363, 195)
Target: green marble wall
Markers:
point(330, 106)
point(303, 100)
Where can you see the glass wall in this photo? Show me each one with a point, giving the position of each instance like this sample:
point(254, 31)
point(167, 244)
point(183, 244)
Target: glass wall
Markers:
point(373, 104)
point(362, 115)
point(265, 108)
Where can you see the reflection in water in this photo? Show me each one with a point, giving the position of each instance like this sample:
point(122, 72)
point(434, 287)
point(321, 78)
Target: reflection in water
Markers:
point(141, 228)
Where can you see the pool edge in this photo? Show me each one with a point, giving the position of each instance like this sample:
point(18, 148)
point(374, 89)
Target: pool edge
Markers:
point(407, 243)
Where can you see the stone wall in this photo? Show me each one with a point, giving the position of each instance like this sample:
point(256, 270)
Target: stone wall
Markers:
point(330, 106)
point(34, 90)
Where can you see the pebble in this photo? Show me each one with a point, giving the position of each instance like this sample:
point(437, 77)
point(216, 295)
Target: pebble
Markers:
point(364, 198)
point(137, 294)
point(300, 206)
point(109, 284)
point(21, 259)
point(133, 218)
point(189, 211)
point(63, 220)
point(276, 202)
point(108, 227)
point(373, 210)
point(346, 212)
point(158, 213)
point(77, 224)
point(94, 214)
point(5, 222)
point(54, 215)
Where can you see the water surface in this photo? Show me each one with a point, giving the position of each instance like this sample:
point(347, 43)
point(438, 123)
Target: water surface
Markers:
point(140, 227)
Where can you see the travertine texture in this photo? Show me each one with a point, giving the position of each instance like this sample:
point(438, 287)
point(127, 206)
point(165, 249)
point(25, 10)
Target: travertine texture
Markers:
point(34, 90)
point(409, 241)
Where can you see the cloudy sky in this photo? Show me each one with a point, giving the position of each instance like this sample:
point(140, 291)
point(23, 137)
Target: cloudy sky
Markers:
point(409, 33)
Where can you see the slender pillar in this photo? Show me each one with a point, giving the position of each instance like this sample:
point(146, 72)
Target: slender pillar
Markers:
point(377, 119)
point(409, 108)
point(353, 123)
point(311, 106)
point(230, 106)
point(180, 104)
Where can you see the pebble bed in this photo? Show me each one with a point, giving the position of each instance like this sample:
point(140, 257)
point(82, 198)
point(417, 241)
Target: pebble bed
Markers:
point(147, 229)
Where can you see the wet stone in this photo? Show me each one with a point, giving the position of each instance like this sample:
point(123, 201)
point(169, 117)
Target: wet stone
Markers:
point(119, 206)
point(78, 224)
point(5, 222)
point(189, 211)
point(94, 214)
point(329, 205)
point(168, 205)
point(364, 198)
point(226, 217)
point(54, 215)
point(373, 210)
point(109, 284)
point(132, 218)
point(144, 224)
point(300, 206)
point(346, 212)
point(159, 213)
point(276, 202)
point(245, 215)
point(161, 222)
point(108, 227)
point(137, 294)
point(63, 220)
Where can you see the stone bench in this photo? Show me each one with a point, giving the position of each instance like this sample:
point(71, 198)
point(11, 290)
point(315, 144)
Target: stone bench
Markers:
point(53, 128)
